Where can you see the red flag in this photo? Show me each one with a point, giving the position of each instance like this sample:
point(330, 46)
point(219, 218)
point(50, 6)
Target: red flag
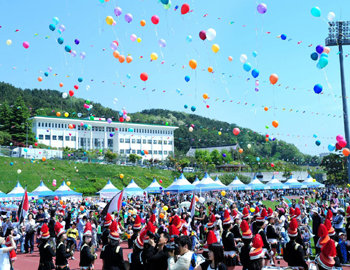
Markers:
point(114, 205)
point(23, 208)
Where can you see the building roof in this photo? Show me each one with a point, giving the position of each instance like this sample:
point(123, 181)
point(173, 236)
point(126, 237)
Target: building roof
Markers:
point(191, 152)
point(100, 121)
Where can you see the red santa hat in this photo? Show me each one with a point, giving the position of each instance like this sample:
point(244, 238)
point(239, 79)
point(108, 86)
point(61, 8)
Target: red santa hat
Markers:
point(256, 252)
point(177, 222)
point(88, 229)
point(212, 221)
point(297, 212)
point(150, 228)
point(329, 227)
point(108, 220)
point(227, 218)
point(262, 215)
point(45, 234)
point(245, 213)
point(113, 231)
point(293, 228)
point(211, 239)
point(153, 218)
point(323, 235)
point(173, 231)
point(326, 258)
point(329, 215)
point(269, 212)
point(137, 223)
point(234, 213)
point(292, 212)
point(59, 229)
point(348, 211)
point(257, 211)
point(140, 238)
point(246, 232)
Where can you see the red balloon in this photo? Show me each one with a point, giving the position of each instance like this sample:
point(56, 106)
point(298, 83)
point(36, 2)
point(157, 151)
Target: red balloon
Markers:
point(202, 35)
point(272, 165)
point(76, 87)
point(71, 93)
point(160, 181)
point(121, 119)
point(155, 19)
point(144, 76)
point(267, 135)
point(56, 198)
point(337, 146)
point(208, 106)
point(36, 144)
point(185, 9)
point(342, 143)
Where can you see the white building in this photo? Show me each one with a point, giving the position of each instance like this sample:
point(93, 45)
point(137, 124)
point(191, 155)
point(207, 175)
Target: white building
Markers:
point(122, 138)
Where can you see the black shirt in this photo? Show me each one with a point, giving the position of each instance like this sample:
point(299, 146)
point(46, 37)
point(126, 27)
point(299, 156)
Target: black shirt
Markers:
point(112, 256)
point(46, 256)
point(159, 261)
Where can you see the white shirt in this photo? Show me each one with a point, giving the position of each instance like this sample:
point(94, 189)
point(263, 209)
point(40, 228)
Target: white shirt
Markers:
point(4, 260)
point(183, 263)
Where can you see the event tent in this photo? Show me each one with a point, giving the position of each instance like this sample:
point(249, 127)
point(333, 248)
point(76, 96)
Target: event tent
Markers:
point(133, 189)
point(42, 191)
point(108, 191)
point(218, 181)
point(312, 183)
point(293, 183)
point(154, 187)
point(64, 192)
point(196, 181)
point(255, 184)
point(180, 185)
point(237, 184)
point(17, 190)
point(274, 183)
point(208, 184)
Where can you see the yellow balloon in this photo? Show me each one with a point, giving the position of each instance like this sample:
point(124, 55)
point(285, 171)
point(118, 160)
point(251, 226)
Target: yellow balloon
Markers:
point(109, 20)
point(165, 208)
point(9, 42)
point(252, 210)
point(219, 133)
point(223, 193)
point(68, 183)
point(66, 114)
point(313, 180)
point(154, 56)
point(215, 48)
point(121, 176)
point(138, 39)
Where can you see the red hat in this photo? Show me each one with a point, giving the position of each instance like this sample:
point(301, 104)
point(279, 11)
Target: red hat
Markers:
point(153, 218)
point(246, 232)
point(262, 215)
point(257, 211)
point(323, 234)
point(291, 212)
point(108, 220)
point(329, 215)
point(269, 212)
point(293, 228)
point(173, 231)
point(59, 229)
point(211, 221)
point(297, 212)
point(234, 213)
point(256, 252)
point(150, 228)
point(88, 229)
point(245, 213)
point(113, 231)
point(227, 218)
point(211, 239)
point(45, 234)
point(326, 258)
point(348, 211)
point(140, 238)
point(137, 223)
point(329, 227)
point(177, 221)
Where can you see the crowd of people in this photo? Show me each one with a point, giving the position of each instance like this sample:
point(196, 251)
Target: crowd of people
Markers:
point(163, 231)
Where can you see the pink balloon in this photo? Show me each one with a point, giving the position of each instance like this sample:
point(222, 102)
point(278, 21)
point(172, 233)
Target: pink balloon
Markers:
point(340, 138)
point(25, 44)
point(236, 131)
point(342, 143)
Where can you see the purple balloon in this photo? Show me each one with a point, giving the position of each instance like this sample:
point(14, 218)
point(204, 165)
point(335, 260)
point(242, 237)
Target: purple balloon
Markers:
point(82, 55)
point(319, 49)
point(262, 8)
point(128, 17)
point(73, 53)
point(202, 35)
point(118, 11)
point(76, 41)
point(162, 43)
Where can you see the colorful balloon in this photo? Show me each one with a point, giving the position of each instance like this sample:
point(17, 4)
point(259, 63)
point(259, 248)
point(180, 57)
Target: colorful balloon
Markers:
point(275, 123)
point(236, 131)
point(255, 73)
point(25, 44)
point(128, 18)
point(215, 48)
point(202, 35)
point(262, 8)
point(162, 43)
point(187, 78)
point(154, 56)
point(155, 19)
point(109, 20)
point(118, 11)
point(210, 34)
point(193, 64)
point(331, 16)
point(193, 108)
point(129, 59)
point(185, 8)
point(316, 12)
point(273, 79)
point(144, 76)
point(52, 27)
point(247, 66)
point(243, 58)
point(346, 152)
point(318, 88)
point(142, 23)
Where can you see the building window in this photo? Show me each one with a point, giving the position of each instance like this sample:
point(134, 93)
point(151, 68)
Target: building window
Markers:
point(49, 125)
point(60, 138)
point(127, 151)
point(134, 151)
point(73, 138)
point(121, 140)
point(67, 138)
point(150, 152)
point(160, 152)
point(133, 141)
point(144, 141)
point(38, 124)
point(155, 152)
point(55, 125)
point(165, 142)
point(45, 124)
point(149, 141)
point(138, 152)
point(165, 152)
point(41, 136)
point(93, 128)
point(170, 142)
point(121, 151)
point(127, 140)
point(97, 143)
point(154, 141)
point(159, 142)
point(139, 141)
point(170, 152)
point(110, 143)
point(47, 137)
point(54, 137)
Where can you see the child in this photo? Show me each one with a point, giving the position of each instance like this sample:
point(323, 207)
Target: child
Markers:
point(343, 244)
point(72, 236)
point(307, 240)
point(129, 234)
point(8, 243)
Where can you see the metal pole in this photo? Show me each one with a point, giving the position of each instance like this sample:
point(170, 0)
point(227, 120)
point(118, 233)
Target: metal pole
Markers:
point(345, 106)
point(27, 135)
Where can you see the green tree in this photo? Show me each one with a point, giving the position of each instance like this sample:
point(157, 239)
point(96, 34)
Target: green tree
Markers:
point(215, 157)
point(185, 162)
point(5, 138)
point(110, 156)
point(135, 158)
point(335, 167)
point(5, 116)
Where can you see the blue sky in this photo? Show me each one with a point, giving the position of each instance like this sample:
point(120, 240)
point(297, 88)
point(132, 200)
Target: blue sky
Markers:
point(240, 30)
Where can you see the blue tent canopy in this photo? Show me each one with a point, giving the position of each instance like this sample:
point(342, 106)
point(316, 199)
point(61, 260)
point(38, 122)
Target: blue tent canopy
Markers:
point(133, 189)
point(208, 184)
point(237, 184)
point(293, 183)
point(180, 185)
point(154, 187)
point(42, 191)
point(65, 191)
point(255, 184)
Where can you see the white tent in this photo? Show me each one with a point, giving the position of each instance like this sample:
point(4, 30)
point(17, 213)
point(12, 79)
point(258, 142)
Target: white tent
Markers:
point(108, 191)
point(154, 187)
point(237, 184)
point(255, 184)
point(293, 183)
point(42, 191)
point(180, 185)
point(133, 189)
point(310, 182)
point(218, 181)
point(208, 184)
point(17, 190)
point(64, 192)
point(274, 183)
point(196, 181)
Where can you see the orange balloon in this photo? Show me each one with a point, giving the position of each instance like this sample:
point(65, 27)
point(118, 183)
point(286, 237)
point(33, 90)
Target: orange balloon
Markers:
point(230, 58)
point(210, 69)
point(266, 139)
point(205, 96)
point(273, 79)
point(346, 152)
point(43, 159)
point(146, 152)
point(143, 23)
point(129, 59)
point(58, 114)
point(161, 215)
point(40, 79)
point(193, 63)
point(121, 58)
point(168, 193)
point(240, 150)
point(326, 50)
point(275, 123)
point(116, 54)
point(266, 109)
point(61, 202)
point(81, 208)
point(70, 126)
point(61, 84)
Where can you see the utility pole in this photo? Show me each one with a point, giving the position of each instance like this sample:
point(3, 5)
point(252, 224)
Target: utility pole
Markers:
point(339, 35)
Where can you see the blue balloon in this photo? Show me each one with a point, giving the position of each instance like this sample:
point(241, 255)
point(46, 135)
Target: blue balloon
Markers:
point(255, 73)
point(318, 88)
point(255, 53)
point(189, 38)
point(314, 56)
point(247, 66)
point(60, 40)
point(68, 48)
point(25, 150)
point(318, 142)
point(111, 134)
point(164, 2)
point(187, 78)
point(316, 12)
point(84, 153)
point(80, 79)
point(323, 62)
point(257, 159)
point(52, 27)
point(142, 153)
point(283, 37)
point(11, 163)
point(123, 203)
point(331, 147)
point(319, 49)
point(186, 106)
point(46, 74)
point(324, 55)
point(76, 41)
point(121, 113)
point(193, 108)
point(128, 76)
point(40, 201)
